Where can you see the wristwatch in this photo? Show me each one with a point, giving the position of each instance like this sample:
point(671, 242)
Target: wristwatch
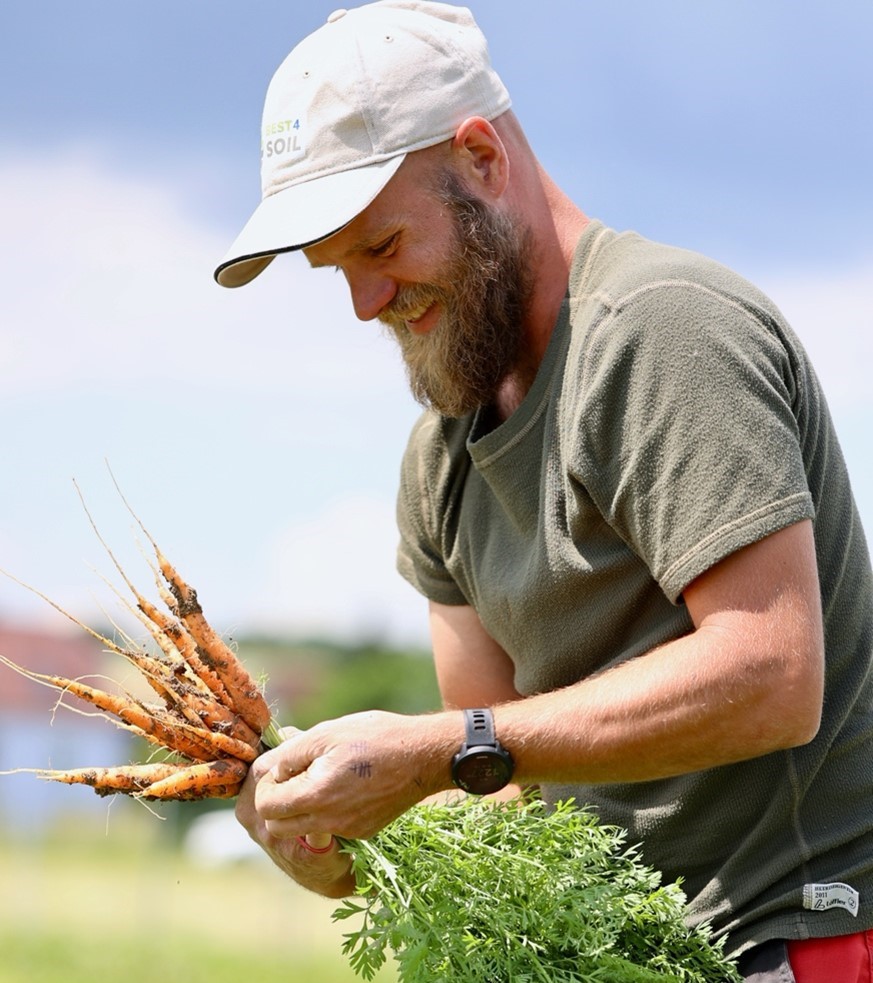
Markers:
point(482, 765)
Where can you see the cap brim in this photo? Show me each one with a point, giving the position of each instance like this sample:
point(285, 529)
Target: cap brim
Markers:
point(300, 216)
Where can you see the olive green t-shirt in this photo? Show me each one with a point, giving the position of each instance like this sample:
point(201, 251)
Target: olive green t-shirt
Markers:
point(675, 419)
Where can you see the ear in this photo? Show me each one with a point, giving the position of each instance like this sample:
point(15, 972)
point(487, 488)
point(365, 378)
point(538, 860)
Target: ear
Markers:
point(481, 156)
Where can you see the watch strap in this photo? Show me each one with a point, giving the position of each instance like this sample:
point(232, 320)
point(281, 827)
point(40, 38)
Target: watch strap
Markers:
point(482, 765)
point(479, 728)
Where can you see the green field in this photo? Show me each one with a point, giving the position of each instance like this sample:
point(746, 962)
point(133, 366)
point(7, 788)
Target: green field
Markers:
point(120, 901)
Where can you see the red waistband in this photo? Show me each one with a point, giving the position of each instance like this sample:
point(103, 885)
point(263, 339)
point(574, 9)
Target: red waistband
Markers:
point(841, 959)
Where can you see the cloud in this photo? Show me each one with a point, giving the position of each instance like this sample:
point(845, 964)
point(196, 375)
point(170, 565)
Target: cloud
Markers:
point(107, 278)
point(335, 571)
point(832, 313)
point(258, 430)
point(228, 415)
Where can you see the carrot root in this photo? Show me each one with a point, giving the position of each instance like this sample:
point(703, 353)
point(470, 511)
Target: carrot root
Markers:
point(197, 780)
point(123, 778)
point(213, 716)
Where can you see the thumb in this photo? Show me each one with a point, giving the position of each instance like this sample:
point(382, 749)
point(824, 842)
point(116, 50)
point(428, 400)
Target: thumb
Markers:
point(289, 759)
point(318, 842)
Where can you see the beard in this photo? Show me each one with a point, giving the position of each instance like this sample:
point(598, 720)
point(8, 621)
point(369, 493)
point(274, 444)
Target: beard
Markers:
point(483, 293)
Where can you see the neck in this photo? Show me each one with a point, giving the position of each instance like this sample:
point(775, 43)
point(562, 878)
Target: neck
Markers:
point(513, 389)
point(557, 228)
point(556, 233)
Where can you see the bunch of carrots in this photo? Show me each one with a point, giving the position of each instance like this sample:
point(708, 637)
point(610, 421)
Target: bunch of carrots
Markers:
point(211, 715)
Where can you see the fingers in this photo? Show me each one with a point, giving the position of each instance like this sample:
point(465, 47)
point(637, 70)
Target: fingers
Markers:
point(275, 805)
point(294, 800)
point(284, 759)
point(316, 863)
point(324, 870)
point(262, 809)
point(349, 777)
point(317, 842)
point(313, 860)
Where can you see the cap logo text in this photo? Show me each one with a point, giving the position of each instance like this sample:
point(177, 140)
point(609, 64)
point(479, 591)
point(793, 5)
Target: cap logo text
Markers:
point(283, 138)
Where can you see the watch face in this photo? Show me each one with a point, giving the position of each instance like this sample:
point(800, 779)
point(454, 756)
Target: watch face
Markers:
point(483, 771)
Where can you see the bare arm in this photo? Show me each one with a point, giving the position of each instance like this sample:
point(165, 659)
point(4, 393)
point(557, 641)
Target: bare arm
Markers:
point(747, 681)
point(472, 669)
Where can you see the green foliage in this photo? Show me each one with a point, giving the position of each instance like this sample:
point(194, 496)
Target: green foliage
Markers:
point(111, 900)
point(51, 955)
point(315, 681)
point(523, 893)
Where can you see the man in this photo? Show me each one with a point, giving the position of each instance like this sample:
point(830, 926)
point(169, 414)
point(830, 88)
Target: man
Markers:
point(624, 502)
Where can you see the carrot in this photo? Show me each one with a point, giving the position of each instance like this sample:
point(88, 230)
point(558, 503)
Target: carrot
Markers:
point(160, 628)
point(125, 707)
point(157, 673)
point(195, 742)
point(180, 696)
point(247, 698)
point(160, 675)
point(139, 659)
point(198, 708)
point(163, 629)
point(164, 780)
point(151, 723)
point(198, 694)
point(171, 629)
point(197, 779)
point(123, 778)
point(213, 792)
point(216, 717)
point(212, 714)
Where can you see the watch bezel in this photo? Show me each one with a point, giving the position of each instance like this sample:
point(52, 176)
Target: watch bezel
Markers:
point(481, 767)
point(480, 782)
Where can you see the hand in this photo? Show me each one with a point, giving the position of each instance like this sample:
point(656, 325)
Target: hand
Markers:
point(354, 775)
point(313, 860)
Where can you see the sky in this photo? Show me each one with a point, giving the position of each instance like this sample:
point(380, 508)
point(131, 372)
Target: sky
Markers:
point(258, 432)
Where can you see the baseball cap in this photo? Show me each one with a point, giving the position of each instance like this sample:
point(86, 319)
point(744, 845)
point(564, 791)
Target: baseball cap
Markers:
point(371, 85)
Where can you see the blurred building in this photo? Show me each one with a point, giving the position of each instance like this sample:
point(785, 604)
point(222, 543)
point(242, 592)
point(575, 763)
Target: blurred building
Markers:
point(39, 730)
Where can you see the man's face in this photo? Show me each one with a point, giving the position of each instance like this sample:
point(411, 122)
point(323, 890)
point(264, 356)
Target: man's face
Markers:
point(448, 274)
point(481, 290)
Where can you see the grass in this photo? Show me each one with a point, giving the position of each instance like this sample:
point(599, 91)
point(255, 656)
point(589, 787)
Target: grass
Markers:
point(121, 901)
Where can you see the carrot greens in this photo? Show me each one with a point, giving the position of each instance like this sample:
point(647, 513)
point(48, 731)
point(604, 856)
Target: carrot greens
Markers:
point(469, 891)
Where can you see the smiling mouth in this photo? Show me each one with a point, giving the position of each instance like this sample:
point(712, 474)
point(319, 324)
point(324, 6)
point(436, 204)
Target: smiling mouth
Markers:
point(417, 314)
point(421, 319)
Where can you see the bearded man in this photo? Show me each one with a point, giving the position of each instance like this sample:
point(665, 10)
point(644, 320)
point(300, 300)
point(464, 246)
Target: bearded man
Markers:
point(625, 502)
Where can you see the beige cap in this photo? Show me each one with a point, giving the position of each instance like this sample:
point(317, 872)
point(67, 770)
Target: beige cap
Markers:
point(346, 106)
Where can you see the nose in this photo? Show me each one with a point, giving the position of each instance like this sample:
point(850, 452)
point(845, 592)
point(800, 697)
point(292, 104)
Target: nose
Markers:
point(370, 293)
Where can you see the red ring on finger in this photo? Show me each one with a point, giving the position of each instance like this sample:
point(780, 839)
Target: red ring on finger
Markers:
point(315, 849)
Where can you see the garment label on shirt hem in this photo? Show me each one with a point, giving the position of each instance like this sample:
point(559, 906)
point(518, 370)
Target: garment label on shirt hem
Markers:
point(821, 897)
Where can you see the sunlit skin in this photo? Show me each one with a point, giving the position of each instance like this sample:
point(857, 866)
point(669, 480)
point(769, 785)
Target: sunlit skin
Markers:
point(746, 681)
point(405, 239)
point(398, 240)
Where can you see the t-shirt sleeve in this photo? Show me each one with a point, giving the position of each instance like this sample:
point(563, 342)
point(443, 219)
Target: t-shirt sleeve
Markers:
point(421, 508)
point(688, 438)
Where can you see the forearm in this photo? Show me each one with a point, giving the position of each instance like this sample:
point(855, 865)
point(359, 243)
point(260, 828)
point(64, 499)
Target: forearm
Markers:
point(746, 681)
point(698, 702)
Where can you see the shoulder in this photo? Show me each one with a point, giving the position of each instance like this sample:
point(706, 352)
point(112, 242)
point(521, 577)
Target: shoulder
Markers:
point(434, 440)
point(435, 451)
point(625, 273)
point(638, 305)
